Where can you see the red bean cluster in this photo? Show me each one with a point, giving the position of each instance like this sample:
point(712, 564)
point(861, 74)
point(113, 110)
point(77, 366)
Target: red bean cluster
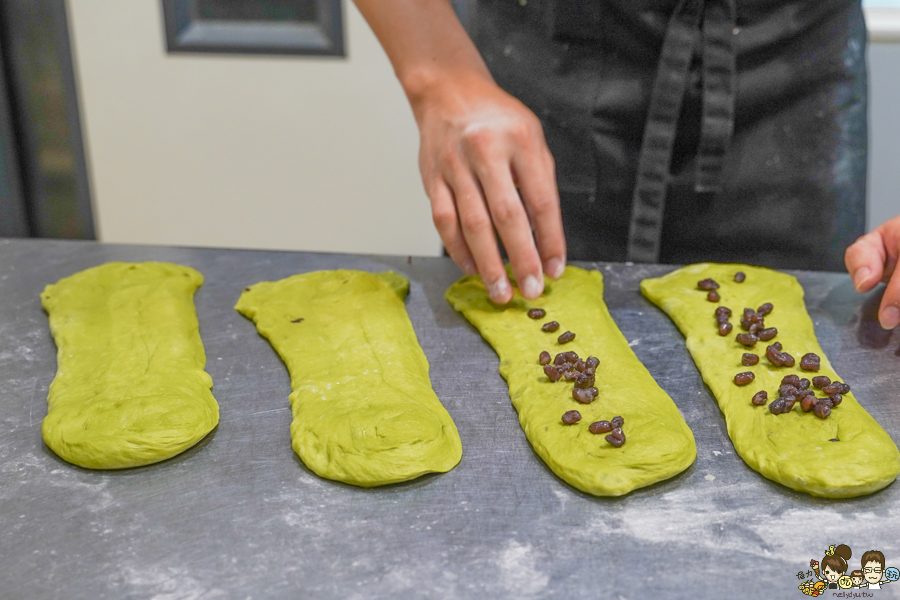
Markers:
point(793, 388)
point(568, 366)
point(582, 373)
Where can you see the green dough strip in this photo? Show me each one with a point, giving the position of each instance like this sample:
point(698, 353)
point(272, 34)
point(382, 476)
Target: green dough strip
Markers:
point(130, 388)
point(659, 443)
point(794, 448)
point(364, 410)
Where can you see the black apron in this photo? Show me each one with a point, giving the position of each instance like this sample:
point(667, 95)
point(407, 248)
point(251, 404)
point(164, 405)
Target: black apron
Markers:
point(694, 130)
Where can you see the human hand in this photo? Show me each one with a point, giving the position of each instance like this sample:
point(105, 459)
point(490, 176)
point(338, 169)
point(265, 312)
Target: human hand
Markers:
point(872, 259)
point(478, 145)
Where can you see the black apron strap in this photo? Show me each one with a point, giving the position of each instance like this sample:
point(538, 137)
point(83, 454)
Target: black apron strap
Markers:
point(682, 35)
point(718, 93)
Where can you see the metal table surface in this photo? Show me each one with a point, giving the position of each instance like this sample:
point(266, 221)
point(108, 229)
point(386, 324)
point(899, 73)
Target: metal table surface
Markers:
point(239, 516)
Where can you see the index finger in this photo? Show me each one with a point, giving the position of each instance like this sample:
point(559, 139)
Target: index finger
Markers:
point(865, 260)
point(536, 174)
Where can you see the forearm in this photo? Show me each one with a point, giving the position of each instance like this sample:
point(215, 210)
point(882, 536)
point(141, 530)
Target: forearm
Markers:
point(425, 43)
point(484, 161)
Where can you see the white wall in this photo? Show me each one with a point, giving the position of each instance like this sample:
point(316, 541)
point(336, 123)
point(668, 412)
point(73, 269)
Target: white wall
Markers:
point(297, 153)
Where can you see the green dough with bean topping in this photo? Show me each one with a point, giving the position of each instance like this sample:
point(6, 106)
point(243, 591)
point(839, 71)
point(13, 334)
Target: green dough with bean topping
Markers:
point(659, 444)
point(364, 410)
point(793, 448)
point(130, 388)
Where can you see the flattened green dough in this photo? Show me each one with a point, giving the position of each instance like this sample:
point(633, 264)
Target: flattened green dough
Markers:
point(659, 443)
point(130, 388)
point(793, 448)
point(364, 411)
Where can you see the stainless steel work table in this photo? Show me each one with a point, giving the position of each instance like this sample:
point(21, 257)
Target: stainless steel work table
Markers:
point(239, 516)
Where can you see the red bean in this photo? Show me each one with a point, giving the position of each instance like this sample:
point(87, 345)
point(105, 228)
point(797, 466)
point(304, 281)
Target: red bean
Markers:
point(537, 313)
point(765, 308)
point(776, 406)
point(820, 381)
point(777, 346)
point(571, 417)
point(723, 313)
point(804, 384)
point(789, 402)
point(807, 403)
point(845, 388)
point(787, 389)
point(579, 365)
point(571, 357)
point(550, 327)
point(583, 380)
point(707, 284)
point(614, 441)
point(779, 359)
point(747, 339)
point(810, 362)
point(570, 374)
point(566, 337)
point(823, 411)
point(544, 358)
point(744, 378)
point(617, 421)
point(791, 379)
point(760, 398)
point(600, 427)
point(767, 334)
point(739, 277)
point(560, 359)
point(589, 370)
point(617, 432)
point(724, 328)
point(552, 373)
point(592, 362)
point(594, 392)
point(804, 393)
point(713, 296)
point(583, 396)
point(835, 387)
point(748, 360)
point(836, 399)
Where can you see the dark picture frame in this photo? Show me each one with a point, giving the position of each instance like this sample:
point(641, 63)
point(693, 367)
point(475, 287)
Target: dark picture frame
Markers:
point(187, 31)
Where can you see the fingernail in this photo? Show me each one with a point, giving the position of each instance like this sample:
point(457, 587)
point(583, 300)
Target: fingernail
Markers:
point(468, 267)
point(890, 317)
point(531, 287)
point(860, 276)
point(498, 289)
point(555, 267)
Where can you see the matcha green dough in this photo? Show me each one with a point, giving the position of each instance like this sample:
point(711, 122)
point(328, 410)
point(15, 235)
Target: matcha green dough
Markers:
point(130, 388)
point(794, 448)
point(659, 443)
point(364, 411)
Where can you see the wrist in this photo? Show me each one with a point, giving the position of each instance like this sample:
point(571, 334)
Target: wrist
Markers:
point(431, 85)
